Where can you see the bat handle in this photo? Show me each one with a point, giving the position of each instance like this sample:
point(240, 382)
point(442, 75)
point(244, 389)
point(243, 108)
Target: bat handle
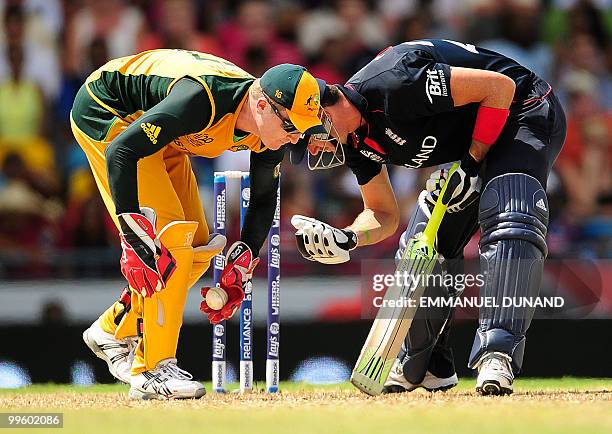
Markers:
point(439, 209)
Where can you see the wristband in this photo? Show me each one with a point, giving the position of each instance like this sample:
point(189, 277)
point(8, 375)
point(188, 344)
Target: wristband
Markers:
point(489, 124)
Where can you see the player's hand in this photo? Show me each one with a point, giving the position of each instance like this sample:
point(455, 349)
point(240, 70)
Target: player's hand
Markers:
point(318, 241)
point(146, 263)
point(464, 187)
point(237, 273)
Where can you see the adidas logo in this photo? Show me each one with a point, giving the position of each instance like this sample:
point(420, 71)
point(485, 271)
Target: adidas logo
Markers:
point(152, 131)
point(540, 204)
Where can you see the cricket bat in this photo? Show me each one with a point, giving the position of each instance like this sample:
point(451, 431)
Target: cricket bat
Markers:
point(392, 323)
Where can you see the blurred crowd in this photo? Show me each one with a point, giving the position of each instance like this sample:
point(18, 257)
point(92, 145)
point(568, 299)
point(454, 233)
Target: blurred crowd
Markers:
point(52, 220)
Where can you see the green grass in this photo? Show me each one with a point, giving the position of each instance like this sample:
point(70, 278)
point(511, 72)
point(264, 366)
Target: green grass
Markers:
point(566, 405)
point(465, 384)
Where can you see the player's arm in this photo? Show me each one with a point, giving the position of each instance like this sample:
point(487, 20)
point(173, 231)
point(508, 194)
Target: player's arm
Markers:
point(319, 241)
point(264, 177)
point(185, 110)
point(146, 263)
point(421, 87)
point(494, 92)
point(380, 216)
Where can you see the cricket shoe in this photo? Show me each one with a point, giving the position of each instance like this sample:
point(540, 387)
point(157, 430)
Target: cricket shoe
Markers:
point(495, 375)
point(397, 383)
point(166, 381)
point(117, 353)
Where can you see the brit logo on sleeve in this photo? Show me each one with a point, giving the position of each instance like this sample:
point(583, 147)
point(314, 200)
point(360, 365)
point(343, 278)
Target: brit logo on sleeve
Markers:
point(435, 85)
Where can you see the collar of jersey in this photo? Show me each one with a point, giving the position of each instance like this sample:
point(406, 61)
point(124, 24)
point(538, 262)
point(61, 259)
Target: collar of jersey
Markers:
point(354, 97)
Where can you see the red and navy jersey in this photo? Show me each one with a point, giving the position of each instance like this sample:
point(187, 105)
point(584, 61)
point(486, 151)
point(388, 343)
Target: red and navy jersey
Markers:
point(404, 95)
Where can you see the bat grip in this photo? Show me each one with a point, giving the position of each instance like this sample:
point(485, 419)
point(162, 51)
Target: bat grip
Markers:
point(450, 185)
point(440, 208)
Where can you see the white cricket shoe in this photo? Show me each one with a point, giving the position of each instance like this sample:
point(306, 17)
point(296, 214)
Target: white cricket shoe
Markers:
point(495, 375)
point(166, 381)
point(118, 354)
point(397, 383)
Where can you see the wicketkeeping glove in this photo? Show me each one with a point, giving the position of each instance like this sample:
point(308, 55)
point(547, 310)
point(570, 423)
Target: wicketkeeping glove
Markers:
point(464, 188)
point(318, 241)
point(237, 273)
point(146, 263)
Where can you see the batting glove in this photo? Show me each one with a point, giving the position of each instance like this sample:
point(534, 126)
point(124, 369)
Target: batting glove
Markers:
point(464, 187)
point(318, 241)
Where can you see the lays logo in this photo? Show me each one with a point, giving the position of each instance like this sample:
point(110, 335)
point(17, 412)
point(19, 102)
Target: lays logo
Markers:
point(313, 103)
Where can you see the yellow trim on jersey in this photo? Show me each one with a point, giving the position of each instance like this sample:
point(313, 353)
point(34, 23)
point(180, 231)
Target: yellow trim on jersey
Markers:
point(96, 99)
point(208, 91)
point(172, 64)
point(112, 129)
point(134, 116)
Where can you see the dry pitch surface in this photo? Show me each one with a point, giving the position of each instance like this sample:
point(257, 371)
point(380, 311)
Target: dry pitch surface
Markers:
point(565, 405)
